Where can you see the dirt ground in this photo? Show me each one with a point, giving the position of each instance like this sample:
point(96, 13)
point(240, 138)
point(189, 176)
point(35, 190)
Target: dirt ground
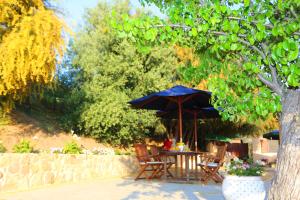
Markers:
point(42, 135)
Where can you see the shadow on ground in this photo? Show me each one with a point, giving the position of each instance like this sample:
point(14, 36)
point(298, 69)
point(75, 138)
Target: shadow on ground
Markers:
point(164, 190)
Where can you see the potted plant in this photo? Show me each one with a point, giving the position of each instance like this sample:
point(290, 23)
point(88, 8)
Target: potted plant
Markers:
point(243, 180)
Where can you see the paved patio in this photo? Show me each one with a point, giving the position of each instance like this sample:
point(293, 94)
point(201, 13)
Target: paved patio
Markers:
point(121, 189)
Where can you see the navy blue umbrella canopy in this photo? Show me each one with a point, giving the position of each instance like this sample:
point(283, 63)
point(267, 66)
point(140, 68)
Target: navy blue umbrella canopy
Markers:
point(273, 135)
point(168, 99)
point(175, 98)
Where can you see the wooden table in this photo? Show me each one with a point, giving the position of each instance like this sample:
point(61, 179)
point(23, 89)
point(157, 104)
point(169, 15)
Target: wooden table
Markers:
point(175, 154)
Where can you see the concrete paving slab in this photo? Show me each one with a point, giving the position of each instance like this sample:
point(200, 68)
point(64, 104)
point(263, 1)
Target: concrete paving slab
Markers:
point(121, 189)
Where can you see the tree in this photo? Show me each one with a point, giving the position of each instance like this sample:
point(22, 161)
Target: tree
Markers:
point(257, 43)
point(31, 41)
point(113, 72)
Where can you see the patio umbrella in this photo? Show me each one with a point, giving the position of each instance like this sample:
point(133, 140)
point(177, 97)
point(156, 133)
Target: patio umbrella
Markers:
point(273, 135)
point(202, 113)
point(175, 98)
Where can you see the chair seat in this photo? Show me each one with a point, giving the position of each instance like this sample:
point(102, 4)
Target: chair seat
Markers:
point(151, 163)
point(209, 164)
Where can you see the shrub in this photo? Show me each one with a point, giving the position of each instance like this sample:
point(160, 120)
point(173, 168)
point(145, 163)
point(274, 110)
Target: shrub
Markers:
point(72, 148)
point(2, 148)
point(23, 146)
point(118, 152)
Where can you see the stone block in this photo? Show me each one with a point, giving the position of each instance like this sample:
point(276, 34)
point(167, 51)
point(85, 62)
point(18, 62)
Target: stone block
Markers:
point(49, 178)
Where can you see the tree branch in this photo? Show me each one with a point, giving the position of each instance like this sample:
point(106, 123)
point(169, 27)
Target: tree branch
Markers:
point(272, 69)
point(270, 26)
point(270, 85)
point(172, 26)
point(274, 85)
point(235, 18)
point(293, 12)
point(253, 47)
point(225, 34)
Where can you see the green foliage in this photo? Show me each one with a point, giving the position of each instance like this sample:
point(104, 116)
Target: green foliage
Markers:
point(23, 146)
point(72, 148)
point(195, 74)
point(123, 152)
point(110, 72)
point(2, 148)
point(256, 45)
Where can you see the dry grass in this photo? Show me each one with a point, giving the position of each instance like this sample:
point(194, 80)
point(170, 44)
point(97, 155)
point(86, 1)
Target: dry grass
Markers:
point(42, 134)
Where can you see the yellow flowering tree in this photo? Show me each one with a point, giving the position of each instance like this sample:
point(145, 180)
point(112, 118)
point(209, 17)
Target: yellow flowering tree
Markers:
point(31, 43)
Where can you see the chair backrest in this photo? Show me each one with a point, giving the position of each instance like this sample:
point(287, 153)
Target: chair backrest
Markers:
point(141, 152)
point(154, 150)
point(220, 155)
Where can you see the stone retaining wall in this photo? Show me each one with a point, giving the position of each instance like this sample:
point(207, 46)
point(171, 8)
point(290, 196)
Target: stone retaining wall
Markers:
point(26, 171)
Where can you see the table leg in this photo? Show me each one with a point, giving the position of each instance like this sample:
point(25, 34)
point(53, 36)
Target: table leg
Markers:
point(165, 167)
point(187, 167)
point(176, 166)
point(181, 167)
point(196, 167)
point(192, 163)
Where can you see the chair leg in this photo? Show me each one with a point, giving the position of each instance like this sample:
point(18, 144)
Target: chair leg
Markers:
point(168, 171)
point(217, 177)
point(156, 171)
point(212, 173)
point(205, 175)
point(142, 170)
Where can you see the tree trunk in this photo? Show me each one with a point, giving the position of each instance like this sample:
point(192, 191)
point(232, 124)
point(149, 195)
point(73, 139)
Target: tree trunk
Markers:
point(286, 183)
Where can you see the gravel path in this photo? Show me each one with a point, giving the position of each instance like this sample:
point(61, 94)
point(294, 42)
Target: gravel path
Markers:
point(121, 189)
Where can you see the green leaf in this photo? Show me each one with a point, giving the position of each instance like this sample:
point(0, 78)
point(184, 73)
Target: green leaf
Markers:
point(293, 80)
point(233, 46)
point(246, 3)
point(251, 40)
point(233, 37)
point(275, 31)
point(279, 51)
point(285, 70)
point(292, 55)
point(226, 25)
point(286, 45)
point(292, 45)
point(234, 26)
point(260, 26)
point(259, 35)
point(295, 69)
point(194, 32)
point(203, 28)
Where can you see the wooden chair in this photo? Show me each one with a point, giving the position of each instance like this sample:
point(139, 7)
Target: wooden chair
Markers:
point(210, 164)
point(147, 163)
point(157, 157)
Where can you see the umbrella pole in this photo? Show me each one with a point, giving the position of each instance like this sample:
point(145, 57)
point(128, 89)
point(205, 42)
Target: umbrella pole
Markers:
point(180, 117)
point(195, 131)
point(203, 131)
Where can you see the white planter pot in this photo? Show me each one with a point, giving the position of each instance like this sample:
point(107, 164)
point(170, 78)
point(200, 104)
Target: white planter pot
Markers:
point(243, 188)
